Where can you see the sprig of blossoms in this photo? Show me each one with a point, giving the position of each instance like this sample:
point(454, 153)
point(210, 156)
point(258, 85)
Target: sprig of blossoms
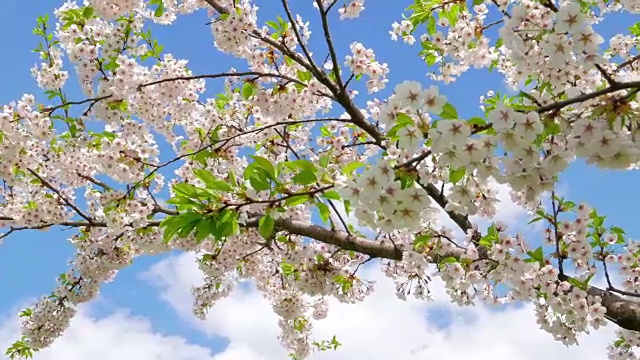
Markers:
point(252, 165)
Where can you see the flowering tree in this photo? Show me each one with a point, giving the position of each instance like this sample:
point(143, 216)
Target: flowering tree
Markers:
point(265, 178)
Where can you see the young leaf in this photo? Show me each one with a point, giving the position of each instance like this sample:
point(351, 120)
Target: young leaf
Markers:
point(456, 175)
point(349, 168)
point(449, 112)
point(267, 166)
point(186, 190)
point(332, 195)
point(324, 211)
point(305, 177)
point(296, 200)
point(248, 90)
point(211, 182)
point(266, 226)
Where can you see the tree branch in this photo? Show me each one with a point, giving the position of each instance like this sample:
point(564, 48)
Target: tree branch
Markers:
point(64, 199)
point(624, 312)
point(294, 27)
point(332, 51)
point(338, 238)
point(219, 8)
point(592, 95)
point(628, 62)
point(258, 74)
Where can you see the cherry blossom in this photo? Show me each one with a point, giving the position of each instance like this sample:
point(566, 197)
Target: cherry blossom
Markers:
point(266, 175)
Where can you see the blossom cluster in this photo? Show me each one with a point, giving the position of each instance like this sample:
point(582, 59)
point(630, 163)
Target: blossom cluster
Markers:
point(362, 62)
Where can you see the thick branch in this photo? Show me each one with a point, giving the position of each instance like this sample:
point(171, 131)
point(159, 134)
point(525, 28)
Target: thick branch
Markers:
point(338, 238)
point(622, 311)
point(219, 8)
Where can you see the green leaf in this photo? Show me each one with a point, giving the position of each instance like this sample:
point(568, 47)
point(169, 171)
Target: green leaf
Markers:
point(181, 200)
point(185, 190)
point(305, 177)
point(202, 157)
point(159, 10)
point(258, 177)
point(324, 211)
point(303, 76)
point(224, 224)
point(404, 120)
point(205, 176)
point(299, 164)
point(421, 241)
point(324, 161)
point(266, 226)
point(635, 29)
point(430, 59)
point(536, 219)
point(185, 229)
point(296, 200)
point(491, 237)
point(87, 12)
point(211, 182)
point(452, 14)
point(431, 25)
point(272, 24)
point(259, 181)
point(266, 165)
point(349, 168)
point(449, 112)
point(456, 175)
point(203, 229)
point(577, 283)
point(180, 225)
point(287, 269)
point(111, 65)
point(332, 195)
point(617, 230)
point(476, 120)
point(248, 90)
point(449, 260)
point(536, 255)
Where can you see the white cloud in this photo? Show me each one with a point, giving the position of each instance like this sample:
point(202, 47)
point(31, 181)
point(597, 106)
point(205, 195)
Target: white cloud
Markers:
point(117, 336)
point(382, 327)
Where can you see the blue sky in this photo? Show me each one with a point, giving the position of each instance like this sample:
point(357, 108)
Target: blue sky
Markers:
point(30, 261)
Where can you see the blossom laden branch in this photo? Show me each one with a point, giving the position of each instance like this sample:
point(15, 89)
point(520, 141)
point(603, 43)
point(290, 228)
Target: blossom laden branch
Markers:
point(588, 96)
point(276, 194)
point(257, 74)
point(62, 197)
point(624, 312)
